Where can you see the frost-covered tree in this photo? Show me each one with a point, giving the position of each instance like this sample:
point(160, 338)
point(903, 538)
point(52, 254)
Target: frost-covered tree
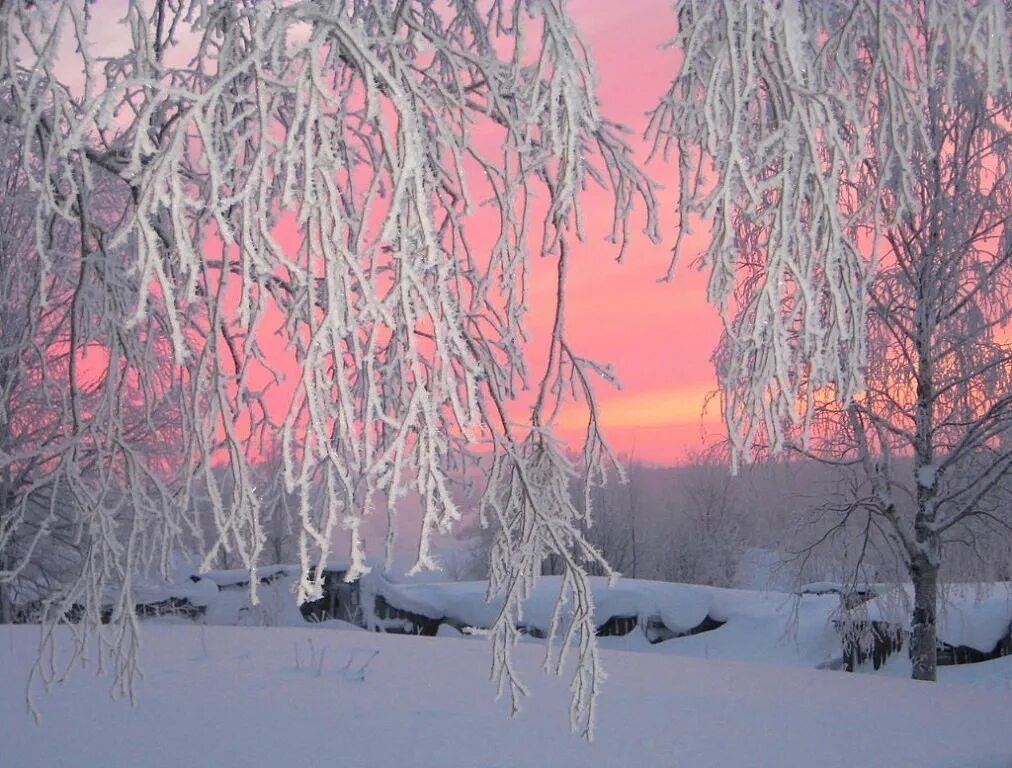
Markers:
point(89, 420)
point(928, 428)
point(717, 512)
point(25, 421)
point(800, 131)
point(854, 160)
point(311, 172)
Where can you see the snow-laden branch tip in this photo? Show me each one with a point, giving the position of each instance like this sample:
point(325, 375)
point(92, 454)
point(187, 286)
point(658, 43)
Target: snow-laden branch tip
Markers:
point(308, 173)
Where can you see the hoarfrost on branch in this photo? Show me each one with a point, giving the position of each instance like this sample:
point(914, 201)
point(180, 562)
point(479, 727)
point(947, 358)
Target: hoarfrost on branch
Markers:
point(796, 127)
point(309, 169)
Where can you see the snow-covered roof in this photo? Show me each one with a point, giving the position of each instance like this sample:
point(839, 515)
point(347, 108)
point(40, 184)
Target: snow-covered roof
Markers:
point(240, 576)
point(200, 592)
point(680, 606)
point(397, 572)
point(972, 615)
point(758, 626)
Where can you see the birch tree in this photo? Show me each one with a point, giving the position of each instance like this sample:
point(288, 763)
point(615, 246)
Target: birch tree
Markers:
point(928, 429)
point(89, 419)
point(23, 418)
point(313, 169)
point(853, 159)
point(797, 129)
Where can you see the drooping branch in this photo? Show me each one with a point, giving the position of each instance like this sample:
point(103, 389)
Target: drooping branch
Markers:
point(316, 171)
point(798, 128)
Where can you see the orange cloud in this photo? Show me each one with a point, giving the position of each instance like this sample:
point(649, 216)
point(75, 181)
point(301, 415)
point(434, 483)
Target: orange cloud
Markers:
point(675, 405)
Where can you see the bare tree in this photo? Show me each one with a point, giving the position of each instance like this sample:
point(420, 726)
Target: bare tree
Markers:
point(610, 523)
point(713, 514)
point(314, 167)
point(861, 249)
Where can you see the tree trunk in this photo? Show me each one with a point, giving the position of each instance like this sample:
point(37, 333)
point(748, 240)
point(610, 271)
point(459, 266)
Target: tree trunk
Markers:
point(6, 603)
point(927, 550)
point(6, 609)
point(924, 626)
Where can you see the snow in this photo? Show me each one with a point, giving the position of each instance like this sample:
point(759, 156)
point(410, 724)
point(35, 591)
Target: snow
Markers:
point(239, 577)
point(749, 615)
point(398, 571)
point(829, 587)
point(977, 624)
point(927, 475)
point(973, 615)
point(752, 692)
point(757, 626)
point(201, 592)
point(761, 568)
point(995, 675)
point(235, 697)
point(276, 606)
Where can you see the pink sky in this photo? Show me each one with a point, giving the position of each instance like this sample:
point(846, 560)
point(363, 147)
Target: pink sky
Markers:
point(658, 336)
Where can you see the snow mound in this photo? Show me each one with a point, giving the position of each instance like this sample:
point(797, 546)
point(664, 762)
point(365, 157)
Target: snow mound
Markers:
point(976, 616)
point(233, 696)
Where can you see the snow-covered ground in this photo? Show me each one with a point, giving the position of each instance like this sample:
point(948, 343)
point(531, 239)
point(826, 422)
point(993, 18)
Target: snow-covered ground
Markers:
point(236, 696)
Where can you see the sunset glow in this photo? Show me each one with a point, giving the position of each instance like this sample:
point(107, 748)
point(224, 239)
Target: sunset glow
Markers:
point(658, 336)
